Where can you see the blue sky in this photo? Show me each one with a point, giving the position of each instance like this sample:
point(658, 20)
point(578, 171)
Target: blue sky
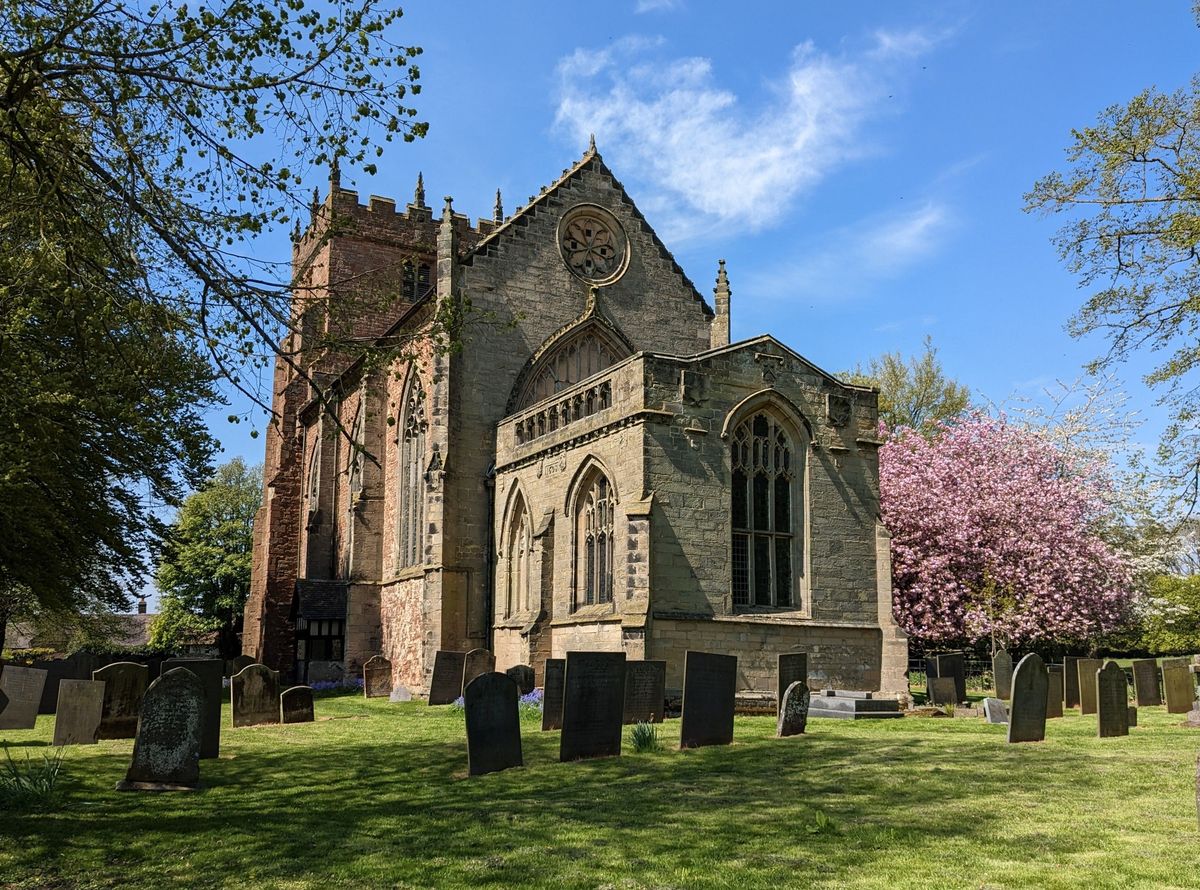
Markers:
point(861, 167)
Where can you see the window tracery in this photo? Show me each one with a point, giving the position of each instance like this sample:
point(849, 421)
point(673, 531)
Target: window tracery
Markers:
point(411, 471)
point(594, 541)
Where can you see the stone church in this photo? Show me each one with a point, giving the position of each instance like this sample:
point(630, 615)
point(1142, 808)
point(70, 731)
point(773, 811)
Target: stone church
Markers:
point(596, 467)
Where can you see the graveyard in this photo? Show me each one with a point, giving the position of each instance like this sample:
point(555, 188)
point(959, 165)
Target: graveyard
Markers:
point(375, 793)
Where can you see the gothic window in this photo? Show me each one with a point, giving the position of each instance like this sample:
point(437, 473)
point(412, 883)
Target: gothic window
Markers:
point(578, 357)
point(520, 547)
point(312, 491)
point(411, 487)
point(594, 541)
point(767, 513)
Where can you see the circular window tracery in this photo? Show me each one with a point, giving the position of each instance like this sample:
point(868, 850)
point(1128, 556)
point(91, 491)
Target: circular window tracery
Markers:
point(593, 244)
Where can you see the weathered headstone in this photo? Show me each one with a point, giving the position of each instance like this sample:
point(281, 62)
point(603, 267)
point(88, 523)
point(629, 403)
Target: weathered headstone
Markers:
point(1132, 716)
point(80, 707)
point(493, 724)
point(645, 691)
point(1087, 668)
point(446, 685)
point(1179, 688)
point(124, 685)
point(1071, 681)
point(552, 693)
point(1031, 682)
point(1112, 701)
point(296, 705)
point(1002, 670)
point(1176, 661)
point(254, 691)
point(400, 693)
point(954, 664)
point(709, 691)
point(943, 691)
point(522, 675)
point(1054, 692)
point(1145, 683)
point(22, 687)
point(211, 672)
point(593, 705)
point(240, 663)
point(791, 667)
point(166, 751)
point(478, 661)
point(377, 677)
point(793, 710)
point(994, 710)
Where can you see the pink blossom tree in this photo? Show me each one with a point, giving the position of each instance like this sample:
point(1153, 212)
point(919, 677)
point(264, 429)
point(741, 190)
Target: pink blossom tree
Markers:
point(997, 532)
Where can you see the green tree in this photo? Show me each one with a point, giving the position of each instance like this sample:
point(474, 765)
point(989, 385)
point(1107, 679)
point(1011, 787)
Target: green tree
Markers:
point(913, 392)
point(204, 572)
point(1171, 615)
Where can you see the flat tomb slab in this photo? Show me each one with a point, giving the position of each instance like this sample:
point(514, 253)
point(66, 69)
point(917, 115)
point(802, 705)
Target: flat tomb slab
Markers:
point(846, 708)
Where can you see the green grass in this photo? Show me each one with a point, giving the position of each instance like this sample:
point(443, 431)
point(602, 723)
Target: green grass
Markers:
point(376, 795)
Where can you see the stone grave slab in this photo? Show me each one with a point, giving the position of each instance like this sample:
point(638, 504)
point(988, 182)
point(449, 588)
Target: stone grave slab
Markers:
point(254, 691)
point(593, 705)
point(124, 685)
point(522, 675)
point(793, 710)
point(1178, 686)
point(552, 693)
point(1054, 693)
point(296, 705)
point(1145, 683)
point(377, 677)
point(994, 710)
point(645, 691)
point(1031, 682)
point(954, 664)
point(166, 750)
point(1112, 701)
point(479, 661)
point(211, 672)
point(1087, 668)
point(446, 685)
point(1002, 671)
point(77, 716)
point(400, 693)
point(1132, 716)
point(1070, 681)
point(22, 686)
point(791, 667)
point(493, 724)
point(77, 666)
point(709, 691)
point(841, 704)
point(240, 663)
point(943, 691)
point(1176, 661)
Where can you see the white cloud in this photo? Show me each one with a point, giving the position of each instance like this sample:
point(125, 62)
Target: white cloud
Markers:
point(703, 159)
point(656, 6)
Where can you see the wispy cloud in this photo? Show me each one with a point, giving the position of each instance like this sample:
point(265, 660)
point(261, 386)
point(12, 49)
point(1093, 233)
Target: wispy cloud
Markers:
point(706, 160)
point(656, 5)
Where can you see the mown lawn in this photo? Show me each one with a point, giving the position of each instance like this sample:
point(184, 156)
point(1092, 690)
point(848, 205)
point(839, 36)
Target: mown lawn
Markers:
point(376, 795)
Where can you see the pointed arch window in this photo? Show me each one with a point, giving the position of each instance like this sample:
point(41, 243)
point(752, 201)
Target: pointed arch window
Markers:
point(411, 468)
point(767, 513)
point(588, 350)
point(520, 550)
point(357, 456)
point(594, 541)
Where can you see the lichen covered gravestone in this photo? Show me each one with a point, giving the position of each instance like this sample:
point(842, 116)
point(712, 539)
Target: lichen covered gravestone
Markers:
point(296, 705)
point(1002, 671)
point(522, 675)
point(1071, 681)
point(791, 667)
point(254, 692)
point(1179, 687)
point(166, 751)
point(1112, 701)
point(552, 693)
point(124, 685)
point(709, 692)
point(478, 661)
point(493, 724)
point(1031, 680)
point(593, 705)
point(77, 716)
point(211, 673)
point(1145, 683)
point(1054, 692)
point(954, 664)
point(994, 710)
point(446, 686)
point(22, 687)
point(377, 677)
point(645, 691)
point(793, 710)
point(1087, 668)
point(943, 691)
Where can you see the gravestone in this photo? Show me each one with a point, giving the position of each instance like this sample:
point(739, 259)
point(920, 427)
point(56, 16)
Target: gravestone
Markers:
point(1087, 668)
point(3, 697)
point(493, 724)
point(166, 750)
point(1002, 670)
point(1112, 701)
point(522, 675)
point(1176, 661)
point(254, 691)
point(793, 710)
point(552, 693)
point(943, 691)
point(1145, 683)
point(77, 716)
point(791, 667)
point(994, 710)
point(1178, 686)
point(1054, 692)
point(1070, 681)
point(240, 663)
point(211, 672)
point(446, 685)
point(77, 666)
point(1031, 682)
point(296, 705)
point(593, 705)
point(1132, 716)
point(377, 677)
point(22, 687)
point(124, 685)
point(709, 689)
point(399, 693)
point(954, 664)
point(478, 661)
point(645, 691)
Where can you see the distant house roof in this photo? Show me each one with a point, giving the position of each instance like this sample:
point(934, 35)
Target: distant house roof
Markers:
point(135, 629)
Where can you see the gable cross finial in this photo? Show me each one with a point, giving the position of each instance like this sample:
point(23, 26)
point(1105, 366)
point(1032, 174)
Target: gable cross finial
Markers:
point(591, 143)
point(448, 209)
point(419, 192)
point(335, 174)
point(498, 210)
